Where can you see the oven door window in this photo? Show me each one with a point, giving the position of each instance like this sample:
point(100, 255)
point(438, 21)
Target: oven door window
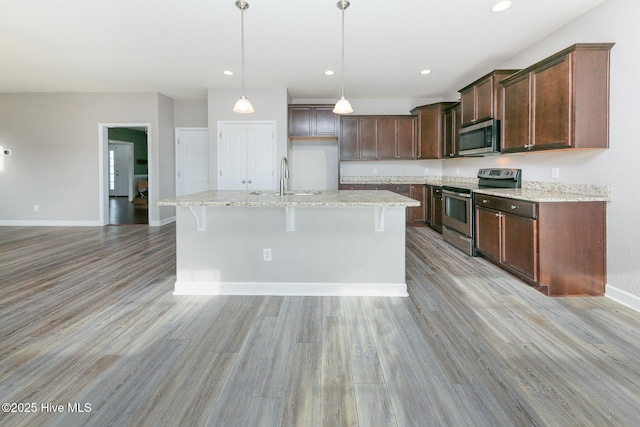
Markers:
point(456, 209)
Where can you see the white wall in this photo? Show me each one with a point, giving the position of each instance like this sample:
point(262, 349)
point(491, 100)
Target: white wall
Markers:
point(617, 167)
point(55, 160)
point(269, 104)
point(190, 113)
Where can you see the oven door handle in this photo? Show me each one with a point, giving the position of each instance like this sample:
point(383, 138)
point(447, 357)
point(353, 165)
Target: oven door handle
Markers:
point(451, 193)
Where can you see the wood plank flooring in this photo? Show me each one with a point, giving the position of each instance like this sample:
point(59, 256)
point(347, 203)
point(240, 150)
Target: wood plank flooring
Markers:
point(87, 316)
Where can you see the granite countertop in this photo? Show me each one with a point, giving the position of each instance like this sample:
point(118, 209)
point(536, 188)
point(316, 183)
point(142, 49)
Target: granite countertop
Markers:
point(531, 190)
point(336, 198)
point(542, 196)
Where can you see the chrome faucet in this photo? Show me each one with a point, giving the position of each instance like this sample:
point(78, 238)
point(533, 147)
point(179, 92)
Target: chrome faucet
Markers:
point(284, 174)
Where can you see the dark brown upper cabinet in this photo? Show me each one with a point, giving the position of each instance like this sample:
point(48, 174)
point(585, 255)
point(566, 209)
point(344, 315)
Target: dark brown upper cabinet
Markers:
point(430, 130)
point(559, 102)
point(313, 122)
point(397, 137)
point(451, 121)
point(479, 100)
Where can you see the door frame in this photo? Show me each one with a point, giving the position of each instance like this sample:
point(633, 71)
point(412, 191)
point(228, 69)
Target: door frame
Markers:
point(103, 168)
point(221, 123)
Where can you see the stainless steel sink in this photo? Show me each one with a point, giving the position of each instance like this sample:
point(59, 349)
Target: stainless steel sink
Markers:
point(287, 193)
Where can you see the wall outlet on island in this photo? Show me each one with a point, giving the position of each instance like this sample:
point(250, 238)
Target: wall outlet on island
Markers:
point(375, 171)
point(555, 173)
point(457, 171)
point(426, 171)
point(266, 254)
point(36, 208)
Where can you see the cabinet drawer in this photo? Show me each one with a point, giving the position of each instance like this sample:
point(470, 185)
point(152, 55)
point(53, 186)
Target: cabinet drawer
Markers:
point(352, 187)
point(513, 206)
point(396, 188)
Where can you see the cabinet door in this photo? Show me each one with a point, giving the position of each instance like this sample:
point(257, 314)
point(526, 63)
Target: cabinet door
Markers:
point(349, 139)
point(436, 208)
point(417, 214)
point(488, 239)
point(387, 134)
point(484, 100)
point(427, 204)
point(368, 139)
point(447, 131)
point(430, 144)
point(406, 138)
point(515, 121)
point(467, 106)
point(300, 121)
point(551, 105)
point(326, 122)
point(520, 245)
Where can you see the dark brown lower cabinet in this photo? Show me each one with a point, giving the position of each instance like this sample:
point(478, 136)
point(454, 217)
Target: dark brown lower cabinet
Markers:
point(415, 216)
point(558, 247)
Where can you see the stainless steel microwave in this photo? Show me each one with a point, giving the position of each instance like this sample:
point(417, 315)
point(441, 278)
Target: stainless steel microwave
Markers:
point(480, 139)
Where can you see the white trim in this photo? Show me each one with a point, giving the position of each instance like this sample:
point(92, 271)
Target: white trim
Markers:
point(622, 297)
point(162, 222)
point(48, 223)
point(292, 289)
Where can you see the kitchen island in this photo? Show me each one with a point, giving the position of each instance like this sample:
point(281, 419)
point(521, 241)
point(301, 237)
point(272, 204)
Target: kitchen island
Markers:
point(329, 243)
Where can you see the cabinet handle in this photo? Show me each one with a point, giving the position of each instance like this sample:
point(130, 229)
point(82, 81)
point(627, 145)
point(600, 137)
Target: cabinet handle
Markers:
point(249, 181)
point(514, 207)
point(244, 182)
point(485, 201)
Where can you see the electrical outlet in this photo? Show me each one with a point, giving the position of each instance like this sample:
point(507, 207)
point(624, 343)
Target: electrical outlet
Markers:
point(266, 254)
point(375, 171)
point(457, 171)
point(555, 173)
point(36, 208)
point(426, 171)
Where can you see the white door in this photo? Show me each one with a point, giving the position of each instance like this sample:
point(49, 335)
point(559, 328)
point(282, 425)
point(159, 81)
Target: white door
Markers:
point(192, 161)
point(120, 169)
point(246, 156)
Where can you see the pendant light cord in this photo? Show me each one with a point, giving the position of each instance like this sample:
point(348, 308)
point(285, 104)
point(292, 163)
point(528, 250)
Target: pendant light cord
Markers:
point(342, 74)
point(242, 46)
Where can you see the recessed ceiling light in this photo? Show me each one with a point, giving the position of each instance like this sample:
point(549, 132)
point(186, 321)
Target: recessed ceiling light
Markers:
point(329, 73)
point(501, 6)
point(228, 73)
point(425, 72)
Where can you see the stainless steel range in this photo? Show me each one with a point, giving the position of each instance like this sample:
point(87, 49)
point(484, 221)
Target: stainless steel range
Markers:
point(457, 205)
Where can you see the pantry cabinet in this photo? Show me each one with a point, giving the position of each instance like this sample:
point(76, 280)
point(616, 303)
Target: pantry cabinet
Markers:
point(430, 130)
point(560, 102)
point(558, 247)
point(316, 121)
point(479, 100)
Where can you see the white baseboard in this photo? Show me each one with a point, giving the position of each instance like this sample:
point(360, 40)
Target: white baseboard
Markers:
point(48, 223)
point(163, 222)
point(292, 289)
point(623, 297)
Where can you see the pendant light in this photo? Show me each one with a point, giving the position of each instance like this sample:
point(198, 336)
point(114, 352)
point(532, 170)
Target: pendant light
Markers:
point(343, 106)
point(242, 105)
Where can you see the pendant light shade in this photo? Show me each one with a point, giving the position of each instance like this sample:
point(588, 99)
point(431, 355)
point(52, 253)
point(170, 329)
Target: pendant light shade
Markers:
point(343, 106)
point(242, 105)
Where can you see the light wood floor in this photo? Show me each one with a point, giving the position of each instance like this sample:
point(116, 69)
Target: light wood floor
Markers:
point(87, 316)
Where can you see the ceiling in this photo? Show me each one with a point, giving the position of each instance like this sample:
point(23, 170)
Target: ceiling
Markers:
point(181, 48)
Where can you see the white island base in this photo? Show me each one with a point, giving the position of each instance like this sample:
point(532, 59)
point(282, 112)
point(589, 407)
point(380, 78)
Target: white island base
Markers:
point(291, 250)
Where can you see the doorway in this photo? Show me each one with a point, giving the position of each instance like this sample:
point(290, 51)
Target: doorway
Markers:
point(123, 166)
